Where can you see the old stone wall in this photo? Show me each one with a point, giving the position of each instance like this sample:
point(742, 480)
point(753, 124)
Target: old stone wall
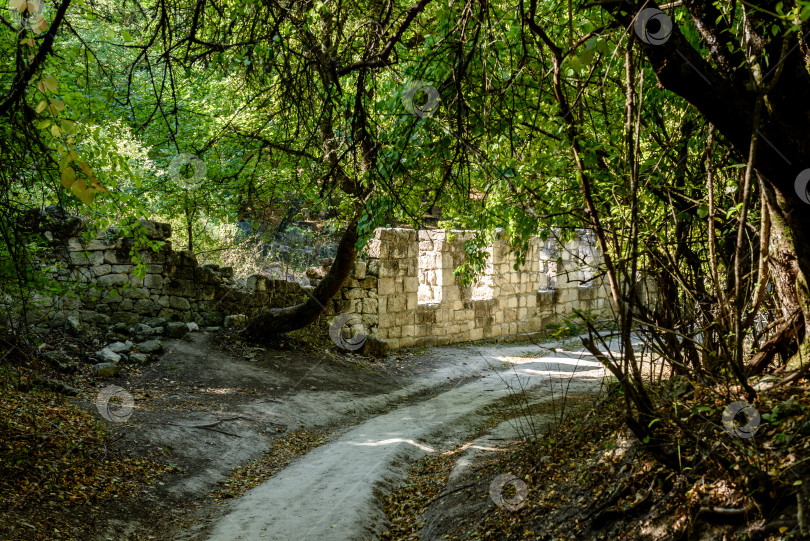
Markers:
point(106, 287)
point(407, 294)
point(402, 290)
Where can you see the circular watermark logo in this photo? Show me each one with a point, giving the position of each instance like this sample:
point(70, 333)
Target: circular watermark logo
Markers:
point(498, 486)
point(413, 89)
point(336, 332)
point(752, 419)
point(187, 170)
point(800, 185)
point(115, 404)
point(27, 14)
point(653, 26)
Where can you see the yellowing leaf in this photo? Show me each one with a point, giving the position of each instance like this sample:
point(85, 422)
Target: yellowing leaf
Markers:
point(40, 26)
point(59, 105)
point(68, 177)
point(15, 4)
point(68, 126)
point(86, 169)
point(78, 188)
point(64, 161)
point(50, 83)
point(55, 131)
point(98, 186)
point(89, 196)
point(41, 106)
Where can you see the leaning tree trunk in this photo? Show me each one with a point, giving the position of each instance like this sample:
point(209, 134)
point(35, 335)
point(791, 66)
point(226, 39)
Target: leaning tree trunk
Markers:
point(291, 318)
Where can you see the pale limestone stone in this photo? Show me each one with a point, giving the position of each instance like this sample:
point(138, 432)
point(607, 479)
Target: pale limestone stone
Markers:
point(101, 270)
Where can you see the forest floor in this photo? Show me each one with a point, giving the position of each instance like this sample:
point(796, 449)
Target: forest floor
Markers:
point(231, 441)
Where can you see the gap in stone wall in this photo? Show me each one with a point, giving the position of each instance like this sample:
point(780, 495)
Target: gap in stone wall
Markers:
point(430, 267)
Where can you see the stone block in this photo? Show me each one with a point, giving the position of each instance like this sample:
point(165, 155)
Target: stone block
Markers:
point(153, 258)
point(144, 306)
point(153, 281)
point(136, 293)
point(396, 303)
point(256, 282)
point(179, 303)
point(122, 269)
point(386, 286)
point(360, 270)
point(128, 318)
point(426, 316)
point(112, 279)
point(411, 284)
point(389, 268)
point(369, 306)
point(206, 292)
point(373, 248)
point(87, 258)
point(101, 270)
point(170, 314)
point(354, 293)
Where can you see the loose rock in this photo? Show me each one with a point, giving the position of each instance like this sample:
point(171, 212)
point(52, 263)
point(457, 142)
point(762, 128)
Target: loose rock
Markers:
point(106, 355)
point(120, 347)
point(150, 346)
point(139, 358)
point(60, 361)
point(375, 347)
point(106, 370)
point(176, 329)
point(140, 330)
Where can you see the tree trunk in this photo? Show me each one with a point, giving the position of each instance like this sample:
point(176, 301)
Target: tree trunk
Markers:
point(784, 268)
point(291, 318)
point(724, 97)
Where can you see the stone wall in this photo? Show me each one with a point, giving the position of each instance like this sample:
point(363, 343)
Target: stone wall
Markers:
point(403, 290)
point(406, 292)
point(106, 287)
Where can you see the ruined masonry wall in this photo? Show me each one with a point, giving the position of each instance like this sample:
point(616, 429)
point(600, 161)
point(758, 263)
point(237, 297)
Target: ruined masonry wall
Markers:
point(402, 289)
point(101, 274)
point(405, 291)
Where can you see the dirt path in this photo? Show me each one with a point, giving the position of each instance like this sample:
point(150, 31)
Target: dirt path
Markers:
point(332, 492)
